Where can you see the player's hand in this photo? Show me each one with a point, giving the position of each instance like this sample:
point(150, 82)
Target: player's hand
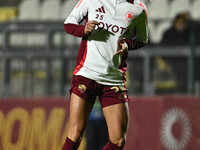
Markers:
point(89, 27)
point(122, 47)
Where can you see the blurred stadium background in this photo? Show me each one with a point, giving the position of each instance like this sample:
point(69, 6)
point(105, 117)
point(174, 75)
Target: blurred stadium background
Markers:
point(37, 59)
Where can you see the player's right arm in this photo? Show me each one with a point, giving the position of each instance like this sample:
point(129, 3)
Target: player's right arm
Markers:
point(72, 23)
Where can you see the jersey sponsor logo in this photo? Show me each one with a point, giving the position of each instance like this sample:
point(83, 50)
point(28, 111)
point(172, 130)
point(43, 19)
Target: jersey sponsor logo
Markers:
point(129, 15)
point(101, 10)
point(110, 27)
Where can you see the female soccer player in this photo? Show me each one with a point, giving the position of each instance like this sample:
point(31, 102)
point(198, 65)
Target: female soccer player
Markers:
point(112, 28)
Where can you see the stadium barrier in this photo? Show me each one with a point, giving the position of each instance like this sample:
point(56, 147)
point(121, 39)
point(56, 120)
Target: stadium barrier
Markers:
point(37, 58)
point(156, 123)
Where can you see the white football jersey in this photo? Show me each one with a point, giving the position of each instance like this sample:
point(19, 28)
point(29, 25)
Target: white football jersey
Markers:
point(96, 60)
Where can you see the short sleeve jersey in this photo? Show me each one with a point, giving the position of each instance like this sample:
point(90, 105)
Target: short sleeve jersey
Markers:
point(96, 59)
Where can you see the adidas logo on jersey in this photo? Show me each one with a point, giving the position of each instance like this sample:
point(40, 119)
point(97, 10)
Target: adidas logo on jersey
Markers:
point(101, 10)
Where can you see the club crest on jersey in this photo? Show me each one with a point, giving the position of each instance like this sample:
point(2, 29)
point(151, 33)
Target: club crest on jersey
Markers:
point(129, 16)
point(82, 88)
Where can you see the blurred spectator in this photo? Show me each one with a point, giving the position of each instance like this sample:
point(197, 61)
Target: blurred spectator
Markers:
point(194, 27)
point(163, 77)
point(178, 34)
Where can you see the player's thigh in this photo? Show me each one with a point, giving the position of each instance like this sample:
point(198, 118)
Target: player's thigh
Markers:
point(117, 119)
point(79, 112)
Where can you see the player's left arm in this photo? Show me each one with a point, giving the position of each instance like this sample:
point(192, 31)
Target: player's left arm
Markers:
point(141, 31)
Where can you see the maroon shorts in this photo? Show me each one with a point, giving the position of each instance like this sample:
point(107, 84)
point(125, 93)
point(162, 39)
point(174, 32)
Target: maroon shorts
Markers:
point(88, 90)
